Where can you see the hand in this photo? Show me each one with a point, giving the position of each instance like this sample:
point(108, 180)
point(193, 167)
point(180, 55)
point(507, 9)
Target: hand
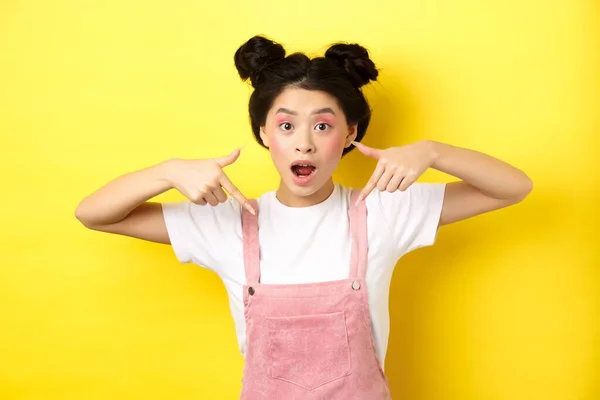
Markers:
point(203, 181)
point(397, 167)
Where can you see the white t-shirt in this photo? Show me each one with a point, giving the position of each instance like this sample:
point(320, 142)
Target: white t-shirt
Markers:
point(308, 244)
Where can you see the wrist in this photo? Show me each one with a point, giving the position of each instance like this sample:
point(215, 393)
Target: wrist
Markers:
point(164, 172)
point(432, 149)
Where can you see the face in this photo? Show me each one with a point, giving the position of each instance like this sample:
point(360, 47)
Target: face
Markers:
point(306, 133)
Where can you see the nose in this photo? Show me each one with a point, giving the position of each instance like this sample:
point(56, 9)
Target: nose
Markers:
point(305, 144)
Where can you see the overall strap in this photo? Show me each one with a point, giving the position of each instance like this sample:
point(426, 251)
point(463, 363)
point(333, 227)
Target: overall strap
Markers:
point(251, 247)
point(358, 230)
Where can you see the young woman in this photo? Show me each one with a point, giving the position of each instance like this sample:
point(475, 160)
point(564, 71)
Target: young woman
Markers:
point(307, 267)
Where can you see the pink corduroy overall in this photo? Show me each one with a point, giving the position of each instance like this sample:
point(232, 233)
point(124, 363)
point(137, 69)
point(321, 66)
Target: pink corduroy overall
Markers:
point(310, 340)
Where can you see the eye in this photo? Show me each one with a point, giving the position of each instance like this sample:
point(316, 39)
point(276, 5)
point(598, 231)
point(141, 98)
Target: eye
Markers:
point(286, 126)
point(322, 126)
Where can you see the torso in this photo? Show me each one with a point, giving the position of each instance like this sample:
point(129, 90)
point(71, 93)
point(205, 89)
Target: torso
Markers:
point(313, 245)
point(308, 244)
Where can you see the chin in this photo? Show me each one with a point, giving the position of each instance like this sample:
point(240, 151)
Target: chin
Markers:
point(301, 191)
point(305, 190)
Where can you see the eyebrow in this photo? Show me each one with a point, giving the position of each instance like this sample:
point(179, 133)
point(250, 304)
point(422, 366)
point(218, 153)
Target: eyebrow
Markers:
point(325, 110)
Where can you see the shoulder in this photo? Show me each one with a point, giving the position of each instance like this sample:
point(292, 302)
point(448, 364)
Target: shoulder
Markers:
point(203, 234)
point(266, 199)
point(410, 217)
point(230, 209)
point(418, 193)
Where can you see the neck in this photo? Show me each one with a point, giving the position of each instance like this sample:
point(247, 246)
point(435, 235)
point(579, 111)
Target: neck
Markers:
point(288, 198)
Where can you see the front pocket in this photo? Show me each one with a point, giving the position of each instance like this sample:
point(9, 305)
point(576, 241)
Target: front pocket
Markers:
point(310, 350)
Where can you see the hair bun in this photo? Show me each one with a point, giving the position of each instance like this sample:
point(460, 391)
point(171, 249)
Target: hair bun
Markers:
point(255, 56)
point(354, 59)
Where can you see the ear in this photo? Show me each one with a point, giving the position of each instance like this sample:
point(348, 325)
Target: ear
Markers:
point(263, 136)
point(352, 132)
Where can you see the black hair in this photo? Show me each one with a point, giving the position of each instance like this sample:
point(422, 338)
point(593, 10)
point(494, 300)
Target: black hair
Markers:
point(343, 70)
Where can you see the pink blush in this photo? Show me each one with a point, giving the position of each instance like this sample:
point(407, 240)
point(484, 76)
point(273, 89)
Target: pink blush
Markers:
point(331, 147)
point(274, 145)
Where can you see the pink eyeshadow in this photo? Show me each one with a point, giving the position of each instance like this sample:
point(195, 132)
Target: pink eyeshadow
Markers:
point(328, 120)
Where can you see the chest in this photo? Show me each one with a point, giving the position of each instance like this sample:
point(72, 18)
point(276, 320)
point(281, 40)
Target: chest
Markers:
point(318, 249)
point(305, 250)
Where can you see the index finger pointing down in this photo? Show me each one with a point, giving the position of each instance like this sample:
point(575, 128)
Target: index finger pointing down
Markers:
point(236, 194)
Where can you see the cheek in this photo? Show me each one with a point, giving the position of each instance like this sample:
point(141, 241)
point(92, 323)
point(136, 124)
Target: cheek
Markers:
point(333, 147)
point(275, 144)
point(276, 148)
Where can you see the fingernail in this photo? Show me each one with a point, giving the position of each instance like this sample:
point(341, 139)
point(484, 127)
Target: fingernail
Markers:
point(251, 210)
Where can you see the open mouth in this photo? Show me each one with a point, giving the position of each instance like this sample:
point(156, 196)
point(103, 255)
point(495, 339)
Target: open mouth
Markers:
point(303, 169)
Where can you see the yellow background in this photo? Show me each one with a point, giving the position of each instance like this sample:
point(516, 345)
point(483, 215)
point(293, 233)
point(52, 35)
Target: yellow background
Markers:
point(504, 307)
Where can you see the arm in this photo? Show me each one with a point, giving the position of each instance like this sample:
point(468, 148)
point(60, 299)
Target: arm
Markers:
point(486, 184)
point(121, 206)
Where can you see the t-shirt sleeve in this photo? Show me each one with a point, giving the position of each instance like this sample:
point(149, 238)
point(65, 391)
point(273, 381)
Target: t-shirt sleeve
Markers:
point(413, 215)
point(201, 234)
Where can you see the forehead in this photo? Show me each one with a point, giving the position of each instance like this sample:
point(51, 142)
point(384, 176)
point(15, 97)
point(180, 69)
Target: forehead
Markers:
point(304, 101)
